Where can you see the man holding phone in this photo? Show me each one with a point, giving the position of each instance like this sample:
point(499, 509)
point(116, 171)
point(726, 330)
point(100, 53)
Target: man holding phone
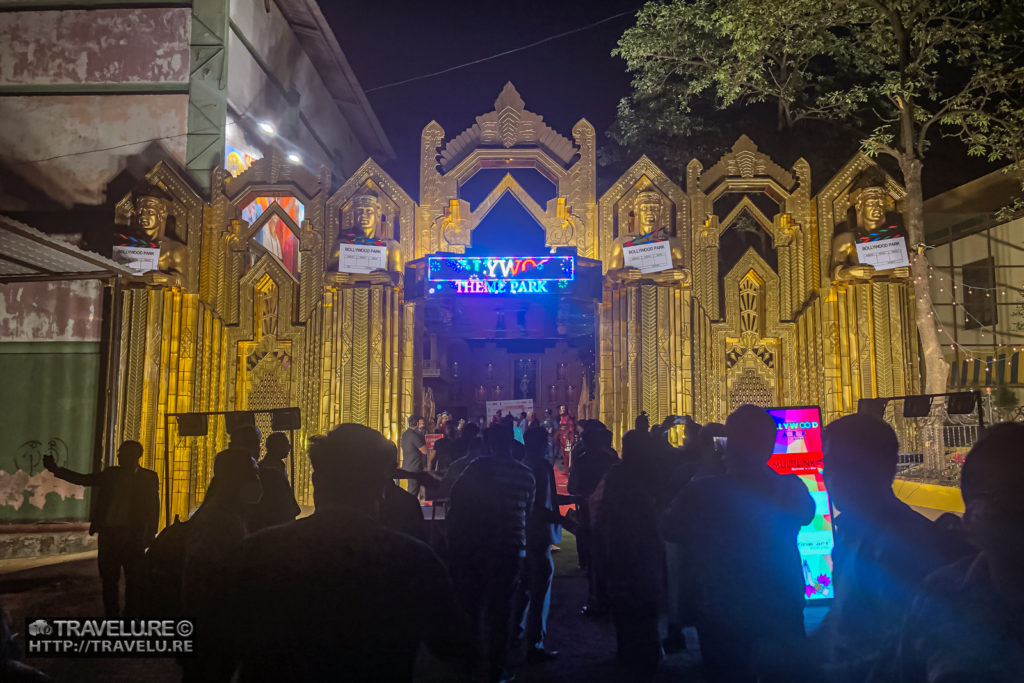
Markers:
point(125, 515)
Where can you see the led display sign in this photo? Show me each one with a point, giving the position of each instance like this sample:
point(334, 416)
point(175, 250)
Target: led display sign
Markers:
point(798, 451)
point(499, 274)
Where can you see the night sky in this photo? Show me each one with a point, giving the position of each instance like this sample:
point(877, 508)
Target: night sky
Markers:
point(564, 80)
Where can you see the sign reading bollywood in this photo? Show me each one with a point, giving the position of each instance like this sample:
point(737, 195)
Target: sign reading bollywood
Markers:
point(362, 258)
point(499, 274)
point(651, 257)
point(884, 254)
point(798, 451)
point(138, 259)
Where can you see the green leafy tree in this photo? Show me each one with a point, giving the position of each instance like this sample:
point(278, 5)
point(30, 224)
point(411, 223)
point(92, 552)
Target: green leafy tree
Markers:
point(900, 72)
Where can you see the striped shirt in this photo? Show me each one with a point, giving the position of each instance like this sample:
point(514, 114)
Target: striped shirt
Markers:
point(489, 505)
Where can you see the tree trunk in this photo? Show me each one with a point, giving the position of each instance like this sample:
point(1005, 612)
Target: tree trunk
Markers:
point(936, 369)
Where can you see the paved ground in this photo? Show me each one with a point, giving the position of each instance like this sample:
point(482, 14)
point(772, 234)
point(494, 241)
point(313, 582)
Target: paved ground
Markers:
point(587, 646)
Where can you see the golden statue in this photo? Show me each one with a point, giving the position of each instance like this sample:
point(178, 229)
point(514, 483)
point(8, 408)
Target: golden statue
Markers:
point(647, 208)
point(365, 229)
point(869, 206)
point(149, 215)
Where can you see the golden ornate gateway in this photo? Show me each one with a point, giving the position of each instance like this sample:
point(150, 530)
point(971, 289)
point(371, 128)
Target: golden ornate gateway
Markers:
point(256, 316)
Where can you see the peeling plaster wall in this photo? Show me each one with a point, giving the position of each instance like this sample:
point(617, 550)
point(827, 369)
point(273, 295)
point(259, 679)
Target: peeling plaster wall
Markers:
point(49, 362)
point(51, 311)
point(251, 90)
point(98, 46)
point(70, 141)
point(94, 136)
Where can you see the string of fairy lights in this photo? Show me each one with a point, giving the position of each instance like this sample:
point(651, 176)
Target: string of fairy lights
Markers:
point(941, 282)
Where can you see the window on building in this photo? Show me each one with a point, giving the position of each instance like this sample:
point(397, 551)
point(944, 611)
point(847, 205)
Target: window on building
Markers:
point(979, 294)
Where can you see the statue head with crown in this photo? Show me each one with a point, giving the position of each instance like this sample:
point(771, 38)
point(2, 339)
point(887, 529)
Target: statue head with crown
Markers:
point(362, 223)
point(869, 218)
point(648, 225)
point(148, 212)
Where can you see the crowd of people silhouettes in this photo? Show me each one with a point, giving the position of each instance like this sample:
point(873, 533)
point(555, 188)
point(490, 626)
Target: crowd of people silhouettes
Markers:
point(703, 535)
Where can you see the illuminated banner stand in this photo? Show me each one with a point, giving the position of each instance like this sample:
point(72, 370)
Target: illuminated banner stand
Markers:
point(798, 451)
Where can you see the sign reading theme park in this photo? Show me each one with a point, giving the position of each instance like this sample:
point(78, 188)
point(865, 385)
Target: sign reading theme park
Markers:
point(499, 274)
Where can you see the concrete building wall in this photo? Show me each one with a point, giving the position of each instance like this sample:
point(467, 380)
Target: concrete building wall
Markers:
point(265, 63)
point(97, 46)
point(86, 91)
point(70, 147)
point(51, 311)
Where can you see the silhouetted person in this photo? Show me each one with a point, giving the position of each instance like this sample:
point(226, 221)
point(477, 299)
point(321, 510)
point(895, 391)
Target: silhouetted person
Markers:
point(883, 549)
point(278, 504)
point(589, 465)
point(682, 591)
point(331, 596)
point(246, 438)
point(967, 623)
point(215, 532)
point(445, 448)
point(414, 450)
point(468, 448)
point(125, 513)
point(400, 510)
point(629, 548)
point(542, 530)
point(487, 543)
point(12, 669)
point(741, 529)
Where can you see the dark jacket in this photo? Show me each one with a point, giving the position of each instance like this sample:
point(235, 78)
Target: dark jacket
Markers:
point(278, 505)
point(142, 490)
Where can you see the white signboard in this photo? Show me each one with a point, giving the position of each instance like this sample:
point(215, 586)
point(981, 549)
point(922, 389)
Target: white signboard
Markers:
point(522, 405)
point(362, 258)
point(884, 254)
point(649, 258)
point(139, 260)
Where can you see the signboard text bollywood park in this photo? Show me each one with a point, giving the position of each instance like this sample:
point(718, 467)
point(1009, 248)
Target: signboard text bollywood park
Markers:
point(499, 274)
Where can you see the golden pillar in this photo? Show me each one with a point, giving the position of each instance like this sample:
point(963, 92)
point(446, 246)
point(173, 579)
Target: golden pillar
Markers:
point(645, 348)
point(869, 344)
point(362, 351)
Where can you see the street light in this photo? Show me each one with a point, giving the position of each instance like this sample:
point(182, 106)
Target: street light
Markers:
point(294, 158)
point(267, 127)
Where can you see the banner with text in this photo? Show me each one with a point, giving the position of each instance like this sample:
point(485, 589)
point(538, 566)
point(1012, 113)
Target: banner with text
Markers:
point(522, 405)
point(648, 258)
point(884, 254)
point(362, 258)
point(139, 260)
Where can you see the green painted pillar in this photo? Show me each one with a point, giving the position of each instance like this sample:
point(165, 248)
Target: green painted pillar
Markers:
point(207, 89)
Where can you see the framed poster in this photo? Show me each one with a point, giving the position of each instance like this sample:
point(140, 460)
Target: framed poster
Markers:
point(798, 451)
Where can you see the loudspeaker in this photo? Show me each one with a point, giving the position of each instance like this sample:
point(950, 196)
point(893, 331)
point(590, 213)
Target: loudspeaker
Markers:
point(240, 418)
point(962, 403)
point(285, 419)
point(192, 424)
point(872, 406)
point(917, 406)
